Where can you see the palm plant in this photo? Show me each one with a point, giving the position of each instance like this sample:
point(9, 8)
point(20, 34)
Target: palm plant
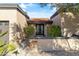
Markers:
point(5, 48)
point(2, 43)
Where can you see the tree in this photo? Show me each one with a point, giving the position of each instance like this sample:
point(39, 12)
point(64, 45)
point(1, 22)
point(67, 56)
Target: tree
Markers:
point(65, 7)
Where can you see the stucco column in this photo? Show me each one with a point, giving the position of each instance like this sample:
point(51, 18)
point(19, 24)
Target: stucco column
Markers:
point(62, 26)
point(11, 31)
point(45, 29)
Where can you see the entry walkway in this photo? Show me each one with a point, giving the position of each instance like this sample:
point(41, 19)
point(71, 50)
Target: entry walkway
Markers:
point(53, 47)
point(57, 44)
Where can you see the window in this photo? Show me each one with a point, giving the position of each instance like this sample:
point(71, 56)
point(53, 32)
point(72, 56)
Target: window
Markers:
point(1, 23)
point(4, 23)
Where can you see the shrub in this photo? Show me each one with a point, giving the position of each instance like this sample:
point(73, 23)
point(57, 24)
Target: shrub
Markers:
point(29, 31)
point(54, 31)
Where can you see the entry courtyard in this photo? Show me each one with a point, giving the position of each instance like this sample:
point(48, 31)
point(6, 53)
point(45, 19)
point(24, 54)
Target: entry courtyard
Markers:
point(42, 29)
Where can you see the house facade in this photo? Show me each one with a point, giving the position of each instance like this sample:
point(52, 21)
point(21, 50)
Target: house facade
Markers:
point(68, 22)
point(12, 19)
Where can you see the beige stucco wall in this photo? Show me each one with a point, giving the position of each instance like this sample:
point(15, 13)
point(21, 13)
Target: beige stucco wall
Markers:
point(8, 15)
point(45, 29)
point(70, 24)
point(57, 20)
point(15, 18)
point(21, 20)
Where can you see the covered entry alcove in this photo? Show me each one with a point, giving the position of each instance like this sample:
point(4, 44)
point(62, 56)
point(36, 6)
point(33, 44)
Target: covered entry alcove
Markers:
point(40, 25)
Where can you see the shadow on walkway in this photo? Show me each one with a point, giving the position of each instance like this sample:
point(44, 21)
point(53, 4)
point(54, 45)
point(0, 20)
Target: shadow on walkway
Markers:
point(62, 53)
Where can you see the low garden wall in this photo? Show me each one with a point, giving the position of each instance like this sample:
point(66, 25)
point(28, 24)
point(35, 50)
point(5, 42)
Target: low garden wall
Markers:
point(57, 44)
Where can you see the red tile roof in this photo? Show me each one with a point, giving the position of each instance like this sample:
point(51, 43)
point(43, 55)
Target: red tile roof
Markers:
point(39, 19)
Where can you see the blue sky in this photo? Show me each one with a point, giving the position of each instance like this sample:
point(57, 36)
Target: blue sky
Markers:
point(35, 11)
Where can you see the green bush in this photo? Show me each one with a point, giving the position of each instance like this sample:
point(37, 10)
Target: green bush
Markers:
point(54, 31)
point(29, 31)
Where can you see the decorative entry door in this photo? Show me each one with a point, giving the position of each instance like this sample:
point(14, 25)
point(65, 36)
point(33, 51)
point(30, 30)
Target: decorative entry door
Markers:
point(39, 29)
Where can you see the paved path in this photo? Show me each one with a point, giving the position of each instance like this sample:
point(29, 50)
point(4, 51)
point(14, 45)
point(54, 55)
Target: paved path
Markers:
point(58, 46)
point(53, 47)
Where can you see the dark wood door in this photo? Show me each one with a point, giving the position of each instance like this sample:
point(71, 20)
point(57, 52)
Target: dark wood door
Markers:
point(39, 29)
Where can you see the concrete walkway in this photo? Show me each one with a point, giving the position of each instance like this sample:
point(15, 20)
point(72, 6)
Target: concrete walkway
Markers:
point(57, 44)
point(53, 47)
point(59, 47)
